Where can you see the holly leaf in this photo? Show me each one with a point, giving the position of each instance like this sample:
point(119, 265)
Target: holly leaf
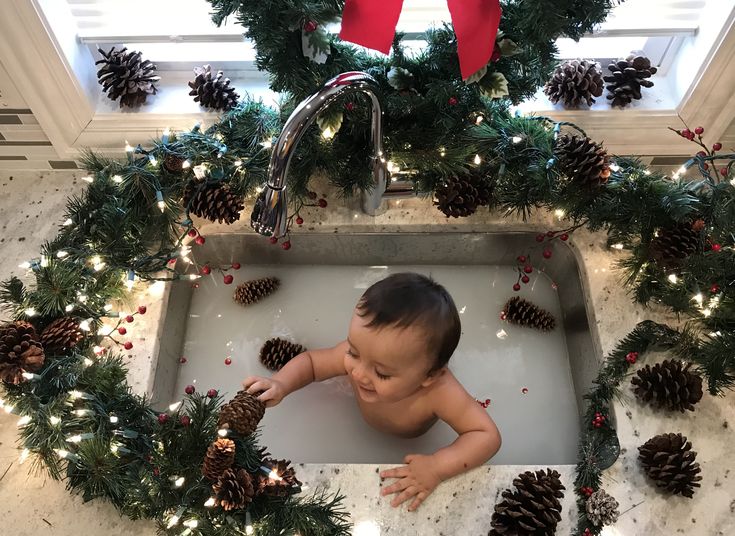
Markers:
point(477, 76)
point(494, 85)
point(331, 119)
point(508, 47)
point(316, 45)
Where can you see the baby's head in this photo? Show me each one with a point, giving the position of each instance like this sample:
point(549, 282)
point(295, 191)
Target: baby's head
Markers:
point(402, 334)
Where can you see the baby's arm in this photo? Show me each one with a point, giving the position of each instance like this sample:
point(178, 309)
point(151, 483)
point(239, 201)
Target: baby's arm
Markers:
point(305, 368)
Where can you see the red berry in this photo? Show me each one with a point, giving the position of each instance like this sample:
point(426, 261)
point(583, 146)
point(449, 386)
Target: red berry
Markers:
point(206, 270)
point(702, 154)
point(286, 245)
point(228, 279)
point(452, 101)
point(172, 261)
point(716, 247)
point(516, 287)
point(228, 361)
point(200, 240)
point(525, 279)
point(521, 258)
point(235, 265)
point(686, 132)
point(189, 389)
point(195, 285)
point(273, 240)
point(212, 393)
point(587, 532)
point(706, 166)
point(632, 357)
point(550, 234)
point(129, 319)
point(717, 146)
point(299, 220)
point(121, 330)
point(310, 26)
point(128, 345)
point(350, 106)
point(322, 203)
point(192, 233)
point(182, 359)
point(540, 237)
point(142, 309)
point(547, 254)
point(524, 390)
point(528, 268)
point(699, 130)
point(163, 418)
point(723, 172)
point(156, 471)
point(185, 420)
point(564, 237)
point(715, 288)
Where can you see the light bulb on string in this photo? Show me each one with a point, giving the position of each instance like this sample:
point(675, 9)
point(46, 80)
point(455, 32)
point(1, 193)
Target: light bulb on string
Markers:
point(68, 222)
point(516, 139)
point(480, 118)
point(61, 254)
point(130, 280)
point(210, 502)
point(159, 200)
point(186, 164)
point(166, 135)
point(477, 160)
point(117, 179)
point(267, 144)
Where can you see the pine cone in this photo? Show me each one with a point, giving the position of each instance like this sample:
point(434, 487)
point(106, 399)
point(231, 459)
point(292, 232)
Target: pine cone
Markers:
point(61, 334)
point(668, 385)
point(20, 351)
point(212, 92)
point(673, 244)
point(242, 414)
point(125, 76)
point(220, 457)
point(234, 489)
point(255, 290)
point(602, 509)
point(524, 313)
point(669, 461)
point(626, 79)
point(277, 352)
point(174, 164)
point(288, 484)
point(534, 508)
point(575, 81)
point(213, 202)
point(460, 196)
point(582, 160)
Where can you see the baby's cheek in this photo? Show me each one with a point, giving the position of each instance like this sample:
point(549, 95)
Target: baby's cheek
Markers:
point(349, 365)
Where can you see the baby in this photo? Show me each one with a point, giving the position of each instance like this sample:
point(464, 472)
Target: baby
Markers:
point(403, 331)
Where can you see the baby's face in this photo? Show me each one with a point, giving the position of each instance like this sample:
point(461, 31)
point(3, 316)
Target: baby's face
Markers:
point(387, 364)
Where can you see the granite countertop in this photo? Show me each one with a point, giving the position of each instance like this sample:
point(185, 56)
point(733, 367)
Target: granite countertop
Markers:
point(462, 505)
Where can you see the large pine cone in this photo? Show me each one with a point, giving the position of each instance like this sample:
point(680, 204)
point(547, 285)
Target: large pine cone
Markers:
point(20, 351)
point(62, 334)
point(582, 160)
point(626, 79)
point(602, 509)
point(575, 81)
point(255, 290)
point(277, 352)
point(125, 76)
point(234, 489)
point(213, 202)
point(288, 483)
point(220, 457)
point(668, 459)
point(673, 244)
point(460, 196)
point(533, 509)
point(668, 385)
point(242, 414)
point(212, 92)
point(524, 313)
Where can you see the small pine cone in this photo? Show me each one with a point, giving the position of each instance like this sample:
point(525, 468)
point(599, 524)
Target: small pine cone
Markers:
point(212, 91)
point(668, 385)
point(668, 459)
point(255, 290)
point(62, 334)
point(575, 81)
point(584, 162)
point(242, 414)
point(220, 457)
point(460, 196)
point(533, 509)
point(20, 351)
point(234, 489)
point(673, 244)
point(174, 164)
point(125, 76)
point(277, 352)
point(602, 509)
point(213, 202)
point(288, 483)
point(524, 313)
point(626, 79)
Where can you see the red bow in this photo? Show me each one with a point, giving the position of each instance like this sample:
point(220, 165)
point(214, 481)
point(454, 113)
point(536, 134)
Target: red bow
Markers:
point(372, 24)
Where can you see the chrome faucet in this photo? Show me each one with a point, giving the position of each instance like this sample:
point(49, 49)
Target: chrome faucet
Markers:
point(270, 214)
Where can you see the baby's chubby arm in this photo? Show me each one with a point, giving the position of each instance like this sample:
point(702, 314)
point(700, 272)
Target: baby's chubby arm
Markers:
point(305, 368)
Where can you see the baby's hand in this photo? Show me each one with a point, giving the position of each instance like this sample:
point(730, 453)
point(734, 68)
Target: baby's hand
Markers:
point(417, 478)
point(271, 391)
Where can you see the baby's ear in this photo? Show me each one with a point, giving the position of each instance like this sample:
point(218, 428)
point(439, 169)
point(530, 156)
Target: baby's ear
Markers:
point(433, 376)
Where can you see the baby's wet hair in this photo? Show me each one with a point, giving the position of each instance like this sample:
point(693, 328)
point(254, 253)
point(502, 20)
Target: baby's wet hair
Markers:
point(410, 299)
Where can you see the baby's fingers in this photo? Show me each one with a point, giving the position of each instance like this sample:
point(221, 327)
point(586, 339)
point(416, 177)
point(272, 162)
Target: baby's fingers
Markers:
point(250, 380)
point(396, 472)
point(260, 384)
point(417, 501)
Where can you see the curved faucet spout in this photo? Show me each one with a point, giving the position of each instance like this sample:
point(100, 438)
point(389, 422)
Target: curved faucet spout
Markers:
point(270, 215)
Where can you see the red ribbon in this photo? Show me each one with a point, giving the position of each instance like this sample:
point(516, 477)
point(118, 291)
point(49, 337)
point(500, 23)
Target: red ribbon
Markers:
point(372, 24)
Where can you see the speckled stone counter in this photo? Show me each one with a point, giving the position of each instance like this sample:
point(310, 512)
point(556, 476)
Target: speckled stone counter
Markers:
point(461, 506)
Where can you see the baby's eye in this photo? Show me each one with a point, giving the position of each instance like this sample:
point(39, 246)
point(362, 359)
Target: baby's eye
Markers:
point(349, 353)
point(381, 376)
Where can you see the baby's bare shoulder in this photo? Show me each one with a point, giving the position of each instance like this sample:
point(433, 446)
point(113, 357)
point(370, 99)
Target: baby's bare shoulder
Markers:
point(447, 387)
